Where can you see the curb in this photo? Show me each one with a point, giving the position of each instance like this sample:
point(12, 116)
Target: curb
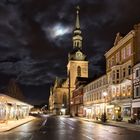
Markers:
point(16, 126)
point(130, 128)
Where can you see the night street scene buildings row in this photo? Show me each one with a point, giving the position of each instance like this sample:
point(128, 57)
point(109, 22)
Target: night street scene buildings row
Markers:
point(116, 93)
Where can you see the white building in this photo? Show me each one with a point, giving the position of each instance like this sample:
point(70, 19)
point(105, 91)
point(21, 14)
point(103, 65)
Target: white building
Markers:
point(136, 90)
point(12, 109)
point(94, 100)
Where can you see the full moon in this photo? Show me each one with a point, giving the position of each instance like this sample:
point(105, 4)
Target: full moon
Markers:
point(60, 30)
point(57, 30)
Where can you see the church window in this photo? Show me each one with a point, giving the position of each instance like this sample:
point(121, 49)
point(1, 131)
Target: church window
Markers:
point(64, 100)
point(78, 71)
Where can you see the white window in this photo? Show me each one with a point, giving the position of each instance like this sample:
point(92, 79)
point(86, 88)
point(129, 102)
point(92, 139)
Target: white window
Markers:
point(117, 57)
point(123, 54)
point(129, 50)
point(137, 91)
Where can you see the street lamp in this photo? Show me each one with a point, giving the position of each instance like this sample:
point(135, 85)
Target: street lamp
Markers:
point(105, 94)
point(44, 108)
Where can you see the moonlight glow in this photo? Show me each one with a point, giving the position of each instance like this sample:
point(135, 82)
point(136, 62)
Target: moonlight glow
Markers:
point(58, 30)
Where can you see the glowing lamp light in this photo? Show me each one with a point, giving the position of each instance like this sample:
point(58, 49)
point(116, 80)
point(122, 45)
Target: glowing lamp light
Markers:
point(71, 102)
point(116, 111)
point(63, 110)
point(124, 94)
point(104, 94)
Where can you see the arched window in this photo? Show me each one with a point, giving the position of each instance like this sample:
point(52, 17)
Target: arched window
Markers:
point(79, 71)
point(64, 100)
point(77, 44)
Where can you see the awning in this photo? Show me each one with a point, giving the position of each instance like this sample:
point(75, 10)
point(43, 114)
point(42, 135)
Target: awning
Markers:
point(11, 100)
point(135, 104)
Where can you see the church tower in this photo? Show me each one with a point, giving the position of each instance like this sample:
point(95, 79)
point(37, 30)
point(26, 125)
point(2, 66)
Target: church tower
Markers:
point(77, 62)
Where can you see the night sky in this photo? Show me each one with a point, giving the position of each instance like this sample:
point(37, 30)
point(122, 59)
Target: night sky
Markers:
point(36, 36)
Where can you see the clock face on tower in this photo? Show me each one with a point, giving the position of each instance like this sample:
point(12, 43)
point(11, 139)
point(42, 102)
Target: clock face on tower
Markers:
point(79, 55)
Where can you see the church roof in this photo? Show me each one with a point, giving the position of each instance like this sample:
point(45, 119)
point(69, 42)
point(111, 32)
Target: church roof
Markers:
point(60, 81)
point(83, 80)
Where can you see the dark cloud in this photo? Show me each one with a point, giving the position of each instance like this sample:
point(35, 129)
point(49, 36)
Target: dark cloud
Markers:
point(36, 36)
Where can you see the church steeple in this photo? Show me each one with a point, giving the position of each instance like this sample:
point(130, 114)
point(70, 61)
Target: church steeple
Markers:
point(77, 37)
point(77, 18)
point(77, 52)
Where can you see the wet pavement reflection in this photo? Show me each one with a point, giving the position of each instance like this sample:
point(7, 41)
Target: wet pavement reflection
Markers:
point(63, 128)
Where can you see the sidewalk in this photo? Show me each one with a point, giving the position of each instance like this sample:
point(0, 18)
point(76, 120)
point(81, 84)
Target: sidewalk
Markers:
point(122, 124)
point(14, 123)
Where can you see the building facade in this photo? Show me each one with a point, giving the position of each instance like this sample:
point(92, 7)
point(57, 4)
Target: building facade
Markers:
point(120, 60)
point(113, 92)
point(136, 91)
point(119, 72)
point(94, 100)
point(59, 97)
point(122, 81)
point(77, 107)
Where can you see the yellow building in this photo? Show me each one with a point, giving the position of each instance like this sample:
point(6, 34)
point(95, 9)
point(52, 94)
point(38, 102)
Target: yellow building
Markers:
point(119, 62)
point(59, 97)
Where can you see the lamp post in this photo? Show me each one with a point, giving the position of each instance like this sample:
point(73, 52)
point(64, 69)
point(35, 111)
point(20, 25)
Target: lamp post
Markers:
point(103, 118)
point(104, 95)
point(69, 109)
point(44, 108)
